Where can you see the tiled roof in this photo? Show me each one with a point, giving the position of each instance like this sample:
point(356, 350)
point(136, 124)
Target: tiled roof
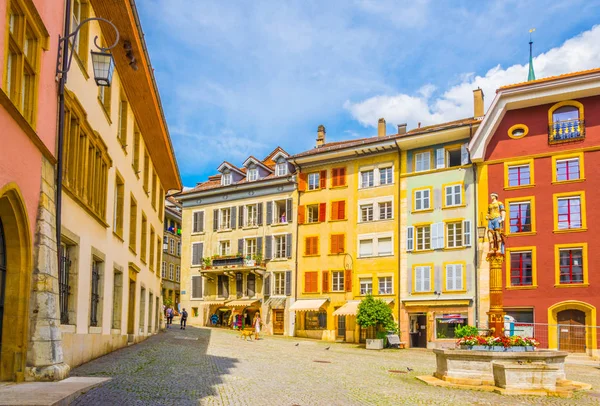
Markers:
point(440, 127)
point(549, 79)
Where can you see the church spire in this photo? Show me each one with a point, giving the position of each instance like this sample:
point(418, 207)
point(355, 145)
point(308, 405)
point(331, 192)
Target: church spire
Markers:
point(531, 75)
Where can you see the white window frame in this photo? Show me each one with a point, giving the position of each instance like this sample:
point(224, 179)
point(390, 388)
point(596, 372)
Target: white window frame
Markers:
point(163, 272)
point(279, 250)
point(368, 285)
point(379, 252)
point(422, 158)
point(281, 168)
point(337, 281)
point(250, 248)
point(250, 221)
point(308, 213)
point(171, 272)
point(178, 248)
point(314, 181)
point(370, 178)
point(389, 180)
point(365, 215)
point(277, 213)
point(279, 283)
point(460, 271)
point(374, 238)
point(420, 245)
point(224, 244)
point(252, 174)
point(225, 225)
point(454, 234)
point(388, 285)
point(372, 247)
point(226, 178)
point(453, 195)
point(567, 160)
point(420, 197)
point(172, 246)
point(388, 212)
point(177, 273)
point(420, 282)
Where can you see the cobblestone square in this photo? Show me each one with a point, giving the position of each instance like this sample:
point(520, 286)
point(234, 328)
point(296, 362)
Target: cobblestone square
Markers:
point(216, 367)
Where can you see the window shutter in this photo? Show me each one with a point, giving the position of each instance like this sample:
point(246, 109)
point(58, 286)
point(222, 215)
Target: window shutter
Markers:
point(232, 217)
point(334, 210)
point(259, 247)
point(269, 213)
point(268, 247)
point(289, 215)
point(342, 176)
point(195, 259)
point(450, 277)
point(288, 283)
point(467, 233)
point(260, 214)
point(196, 287)
point(288, 245)
point(439, 158)
point(334, 177)
point(441, 235)
point(215, 219)
point(341, 243)
point(302, 182)
point(409, 278)
point(325, 281)
point(333, 249)
point(437, 278)
point(437, 199)
point(434, 237)
point(348, 280)
point(322, 211)
point(308, 246)
point(301, 214)
point(241, 246)
point(241, 217)
point(458, 277)
point(196, 223)
point(468, 284)
point(201, 222)
point(410, 241)
point(464, 154)
point(307, 281)
point(323, 180)
point(267, 285)
point(342, 210)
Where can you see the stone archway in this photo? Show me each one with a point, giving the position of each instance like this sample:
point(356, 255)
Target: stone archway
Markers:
point(591, 345)
point(17, 245)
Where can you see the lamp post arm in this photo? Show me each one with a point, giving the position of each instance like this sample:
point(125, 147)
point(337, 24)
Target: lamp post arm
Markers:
point(63, 43)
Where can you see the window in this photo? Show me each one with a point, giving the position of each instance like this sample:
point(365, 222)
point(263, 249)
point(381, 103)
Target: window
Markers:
point(311, 280)
point(385, 176)
point(178, 274)
point(521, 267)
point(172, 246)
point(337, 243)
point(454, 277)
point(366, 286)
point(171, 271)
point(422, 278)
point(453, 195)
point(566, 122)
point(385, 285)
point(251, 215)
point(520, 217)
point(338, 210)
point(365, 247)
point(22, 64)
point(196, 287)
point(313, 213)
point(422, 161)
point(423, 237)
point(518, 131)
point(198, 222)
point(338, 176)
point(280, 246)
point(311, 245)
point(136, 149)
point(366, 212)
point(224, 247)
point(280, 215)
point(96, 295)
point(337, 278)
point(178, 248)
point(250, 245)
point(252, 173)
point(225, 218)
point(154, 192)
point(385, 210)
point(279, 280)
point(445, 324)
point(571, 265)
point(384, 246)
point(453, 157)
point(197, 251)
point(281, 168)
point(518, 174)
point(151, 260)
point(122, 128)
point(226, 178)
point(367, 178)
point(567, 169)
point(144, 239)
point(422, 199)
point(119, 206)
point(132, 223)
point(569, 213)
point(163, 271)
point(313, 181)
point(146, 171)
point(315, 320)
point(105, 97)
point(454, 234)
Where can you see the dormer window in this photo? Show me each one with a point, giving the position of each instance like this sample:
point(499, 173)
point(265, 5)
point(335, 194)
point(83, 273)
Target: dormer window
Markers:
point(252, 173)
point(226, 178)
point(281, 168)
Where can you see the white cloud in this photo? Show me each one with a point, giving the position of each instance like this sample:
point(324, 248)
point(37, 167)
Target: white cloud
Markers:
point(579, 53)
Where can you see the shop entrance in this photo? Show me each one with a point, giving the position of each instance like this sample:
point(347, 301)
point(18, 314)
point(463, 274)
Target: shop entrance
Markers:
point(572, 334)
point(278, 321)
point(418, 331)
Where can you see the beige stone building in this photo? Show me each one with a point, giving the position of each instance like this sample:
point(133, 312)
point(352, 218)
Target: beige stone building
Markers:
point(239, 245)
point(118, 163)
point(171, 264)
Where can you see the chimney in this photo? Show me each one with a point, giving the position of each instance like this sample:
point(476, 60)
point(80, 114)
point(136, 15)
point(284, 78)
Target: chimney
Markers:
point(402, 128)
point(320, 135)
point(381, 127)
point(478, 103)
point(419, 125)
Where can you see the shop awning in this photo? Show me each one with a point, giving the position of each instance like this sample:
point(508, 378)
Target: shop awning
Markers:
point(242, 303)
point(348, 309)
point(213, 302)
point(276, 302)
point(307, 305)
point(452, 318)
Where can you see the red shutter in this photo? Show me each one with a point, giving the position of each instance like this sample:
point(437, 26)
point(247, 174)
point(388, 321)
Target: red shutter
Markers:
point(333, 244)
point(302, 182)
point(325, 281)
point(334, 177)
point(342, 210)
point(323, 178)
point(342, 176)
point(307, 281)
point(348, 280)
point(341, 242)
point(316, 245)
point(307, 246)
point(334, 211)
point(314, 284)
point(322, 211)
point(301, 214)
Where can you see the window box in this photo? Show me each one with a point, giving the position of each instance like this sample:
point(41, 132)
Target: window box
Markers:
point(228, 261)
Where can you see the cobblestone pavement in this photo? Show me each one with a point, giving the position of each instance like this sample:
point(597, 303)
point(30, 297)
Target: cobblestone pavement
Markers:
point(215, 367)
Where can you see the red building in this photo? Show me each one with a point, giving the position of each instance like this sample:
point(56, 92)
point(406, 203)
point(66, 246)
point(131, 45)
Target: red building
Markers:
point(538, 148)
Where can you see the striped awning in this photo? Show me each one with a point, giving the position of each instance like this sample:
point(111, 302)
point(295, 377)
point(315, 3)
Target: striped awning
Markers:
point(348, 309)
point(242, 303)
point(213, 302)
point(307, 305)
point(276, 302)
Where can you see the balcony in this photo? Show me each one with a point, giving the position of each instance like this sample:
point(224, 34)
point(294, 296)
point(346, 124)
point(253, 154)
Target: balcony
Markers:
point(566, 131)
point(228, 261)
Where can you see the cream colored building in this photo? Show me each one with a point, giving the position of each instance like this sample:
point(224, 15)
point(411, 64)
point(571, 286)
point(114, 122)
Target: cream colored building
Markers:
point(171, 263)
point(118, 163)
point(239, 245)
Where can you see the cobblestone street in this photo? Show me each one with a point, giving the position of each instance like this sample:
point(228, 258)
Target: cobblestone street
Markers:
point(215, 367)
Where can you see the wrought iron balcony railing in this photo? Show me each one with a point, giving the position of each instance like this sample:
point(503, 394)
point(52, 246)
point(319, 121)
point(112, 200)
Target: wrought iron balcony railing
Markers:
point(566, 131)
point(238, 261)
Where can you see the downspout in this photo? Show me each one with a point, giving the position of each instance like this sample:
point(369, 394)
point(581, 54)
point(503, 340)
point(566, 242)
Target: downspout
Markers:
point(298, 169)
point(399, 235)
point(61, 130)
point(476, 239)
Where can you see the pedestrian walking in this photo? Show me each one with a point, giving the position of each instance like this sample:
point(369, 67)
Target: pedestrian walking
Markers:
point(256, 322)
point(169, 316)
point(183, 319)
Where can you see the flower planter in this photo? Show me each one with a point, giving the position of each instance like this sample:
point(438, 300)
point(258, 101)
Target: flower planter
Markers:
point(497, 348)
point(375, 343)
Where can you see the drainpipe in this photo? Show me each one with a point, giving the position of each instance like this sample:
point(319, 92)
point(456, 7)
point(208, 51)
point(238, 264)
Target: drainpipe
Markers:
point(399, 234)
point(476, 239)
point(298, 169)
point(61, 130)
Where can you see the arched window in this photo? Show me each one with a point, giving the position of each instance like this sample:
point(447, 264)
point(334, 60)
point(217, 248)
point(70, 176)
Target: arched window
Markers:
point(566, 122)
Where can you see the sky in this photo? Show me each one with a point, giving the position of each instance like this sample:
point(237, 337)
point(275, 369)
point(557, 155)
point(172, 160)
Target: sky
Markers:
point(240, 78)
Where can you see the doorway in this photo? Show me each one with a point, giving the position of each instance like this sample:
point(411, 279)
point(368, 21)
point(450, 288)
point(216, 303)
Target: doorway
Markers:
point(278, 322)
point(418, 331)
point(572, 334)
point(131, 308)
point(341, 327)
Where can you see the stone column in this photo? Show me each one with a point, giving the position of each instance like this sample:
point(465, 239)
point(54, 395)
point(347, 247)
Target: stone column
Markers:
point(44, 353)
point(496, 313)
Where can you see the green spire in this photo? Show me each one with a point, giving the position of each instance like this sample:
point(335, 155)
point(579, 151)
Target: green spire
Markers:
point(531, 75)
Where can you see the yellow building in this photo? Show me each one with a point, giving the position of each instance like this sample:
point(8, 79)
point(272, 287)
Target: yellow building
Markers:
point(239, 245)
point(118, 163)
point(347, 233)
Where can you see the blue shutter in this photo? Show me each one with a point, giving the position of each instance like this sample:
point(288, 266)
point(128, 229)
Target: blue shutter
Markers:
point(215, 219)
point(289, 215)
point(241, 246)
point(288, 283)
point(260, 214)
point(259, 245)
point(269, 213)
point(232, 217)
point(288, 245)
point(268, 247)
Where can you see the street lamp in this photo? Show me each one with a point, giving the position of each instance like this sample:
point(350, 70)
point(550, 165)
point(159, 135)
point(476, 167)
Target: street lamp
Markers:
point(104, 66)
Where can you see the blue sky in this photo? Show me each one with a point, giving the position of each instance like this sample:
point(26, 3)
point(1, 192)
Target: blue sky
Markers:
point(238, 78)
